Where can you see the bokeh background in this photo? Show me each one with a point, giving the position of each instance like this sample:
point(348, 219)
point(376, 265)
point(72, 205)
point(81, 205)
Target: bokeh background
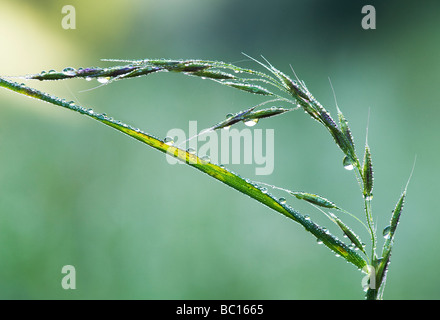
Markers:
point(74, 192)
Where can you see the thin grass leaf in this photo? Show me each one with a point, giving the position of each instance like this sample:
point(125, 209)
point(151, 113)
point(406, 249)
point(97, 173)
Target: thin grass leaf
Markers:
point(213, 74)
point(389, 233)
point(395, 218)
point(367, 174)
point(266, 113)
point(314, 199)
point(252, 88)
point(381, 265)
point(229, 178)
point(354, 238)
point(94, 72)
point(249, 115)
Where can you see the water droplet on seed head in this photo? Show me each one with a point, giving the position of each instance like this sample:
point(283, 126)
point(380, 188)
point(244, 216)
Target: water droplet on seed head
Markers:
point(251, 123)
point(347, 162)
point(387, 232)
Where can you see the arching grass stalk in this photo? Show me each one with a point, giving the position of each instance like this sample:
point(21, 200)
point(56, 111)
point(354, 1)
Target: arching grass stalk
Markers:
point(291, 94)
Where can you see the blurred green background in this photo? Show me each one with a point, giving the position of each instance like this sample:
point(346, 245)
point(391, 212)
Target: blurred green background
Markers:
point(74, 192)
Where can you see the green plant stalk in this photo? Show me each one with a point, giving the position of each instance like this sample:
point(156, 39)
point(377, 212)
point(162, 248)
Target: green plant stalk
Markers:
point(229, 178)
point(297, 90)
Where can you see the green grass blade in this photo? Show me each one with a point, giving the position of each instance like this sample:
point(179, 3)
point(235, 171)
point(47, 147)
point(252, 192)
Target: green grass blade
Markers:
point(227, 177)
point(389, 233)
point(391, 229)
point(367, 174)
point(354, 238)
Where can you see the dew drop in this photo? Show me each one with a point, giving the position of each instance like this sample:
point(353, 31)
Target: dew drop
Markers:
point(368, 197)
point(69, 71)
point(251, 123)
point(319, 241)
point(103, 79)
point(282, 200)
point(264, 190)
point(206, 158)
point(191, 151)
point(169, 141)
point(227, 128)
point(229, 115)
point(387, 232)
point(347, 162)
point(307, 217)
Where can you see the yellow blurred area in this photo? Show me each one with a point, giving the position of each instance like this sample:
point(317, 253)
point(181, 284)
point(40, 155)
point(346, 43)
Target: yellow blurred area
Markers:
point(32, 34)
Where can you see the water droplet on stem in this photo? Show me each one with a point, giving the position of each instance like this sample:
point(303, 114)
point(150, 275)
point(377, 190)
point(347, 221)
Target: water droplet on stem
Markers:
point(347, 162)
point(169, 141)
